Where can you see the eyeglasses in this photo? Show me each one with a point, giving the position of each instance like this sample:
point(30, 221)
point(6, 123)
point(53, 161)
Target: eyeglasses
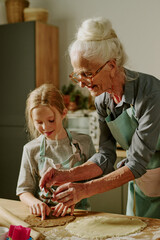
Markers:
point(76, 78)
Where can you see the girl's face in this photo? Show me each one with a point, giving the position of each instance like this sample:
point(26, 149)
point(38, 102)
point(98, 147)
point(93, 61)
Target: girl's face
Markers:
point(48, 121)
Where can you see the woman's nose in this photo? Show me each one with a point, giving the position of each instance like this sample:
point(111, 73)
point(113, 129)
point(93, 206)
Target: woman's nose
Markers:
point(82, 84)
point(85, 82)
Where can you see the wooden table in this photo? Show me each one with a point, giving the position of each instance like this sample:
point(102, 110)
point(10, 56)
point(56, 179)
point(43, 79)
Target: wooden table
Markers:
point(121, 153)
point(151, 232)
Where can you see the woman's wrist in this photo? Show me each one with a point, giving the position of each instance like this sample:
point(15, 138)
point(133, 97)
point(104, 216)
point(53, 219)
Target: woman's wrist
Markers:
point(86, 171)
point(108, 182)
point(89, 189)
point(66, 176)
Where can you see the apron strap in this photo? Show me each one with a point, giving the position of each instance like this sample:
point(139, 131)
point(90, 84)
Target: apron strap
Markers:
point(42, 154)
point(42, 148)
point(134, 198)
point(69, 135)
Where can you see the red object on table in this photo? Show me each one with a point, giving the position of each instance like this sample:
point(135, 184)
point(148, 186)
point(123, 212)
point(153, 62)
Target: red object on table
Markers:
point(19, 232)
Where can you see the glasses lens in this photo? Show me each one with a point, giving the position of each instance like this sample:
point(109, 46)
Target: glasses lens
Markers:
point(74, 77)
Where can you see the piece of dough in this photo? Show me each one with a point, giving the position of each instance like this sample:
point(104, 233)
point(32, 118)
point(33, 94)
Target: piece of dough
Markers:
point(35, 221)
point(103, 227)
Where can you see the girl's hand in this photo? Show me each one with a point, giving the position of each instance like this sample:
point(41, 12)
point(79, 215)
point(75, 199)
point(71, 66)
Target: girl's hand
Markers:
point(54, 177)
point(40, 209)
point(60, 210)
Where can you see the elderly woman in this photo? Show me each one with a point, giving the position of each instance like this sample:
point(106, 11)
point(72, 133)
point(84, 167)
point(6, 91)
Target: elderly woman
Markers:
point(127, 104)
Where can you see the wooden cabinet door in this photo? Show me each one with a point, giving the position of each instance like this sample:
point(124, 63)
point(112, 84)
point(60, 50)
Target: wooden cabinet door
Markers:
point(46, 38)
point(12, 140)
point(28, 58)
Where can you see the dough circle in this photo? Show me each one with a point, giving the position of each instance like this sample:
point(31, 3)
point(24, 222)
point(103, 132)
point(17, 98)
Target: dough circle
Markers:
point(35, 221)
point(100, 227)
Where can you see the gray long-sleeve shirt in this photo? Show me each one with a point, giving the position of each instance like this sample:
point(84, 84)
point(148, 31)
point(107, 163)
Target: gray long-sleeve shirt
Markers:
point(143, 92)
point(57, 150)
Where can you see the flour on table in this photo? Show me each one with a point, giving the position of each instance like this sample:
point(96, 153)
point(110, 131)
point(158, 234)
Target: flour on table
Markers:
point(100, 227)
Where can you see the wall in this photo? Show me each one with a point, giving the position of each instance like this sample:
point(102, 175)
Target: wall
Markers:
point(135, 21)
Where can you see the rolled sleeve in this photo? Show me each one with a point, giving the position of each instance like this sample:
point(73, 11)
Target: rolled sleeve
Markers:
point(102, 162)
point(144, 140)
point(27, 176)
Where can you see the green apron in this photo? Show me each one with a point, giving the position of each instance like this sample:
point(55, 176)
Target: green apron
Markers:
point(122, 129)
point(77, 158)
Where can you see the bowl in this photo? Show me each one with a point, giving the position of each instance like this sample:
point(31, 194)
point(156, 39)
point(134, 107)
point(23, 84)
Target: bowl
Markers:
point(35, 14)
point(3, 233)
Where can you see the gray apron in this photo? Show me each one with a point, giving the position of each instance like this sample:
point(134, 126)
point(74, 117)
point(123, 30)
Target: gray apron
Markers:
point(122, 129)
point(77, 158)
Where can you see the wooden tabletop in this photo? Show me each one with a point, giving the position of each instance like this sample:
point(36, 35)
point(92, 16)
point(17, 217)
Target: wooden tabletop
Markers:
point(151, 232)
point(121, 153)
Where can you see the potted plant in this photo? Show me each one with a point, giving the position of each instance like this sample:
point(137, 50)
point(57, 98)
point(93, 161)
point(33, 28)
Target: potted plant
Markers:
point(73, 98)
point(67, 90)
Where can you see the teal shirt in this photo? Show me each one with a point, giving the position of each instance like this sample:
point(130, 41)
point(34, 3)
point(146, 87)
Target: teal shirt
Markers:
point(142, 91)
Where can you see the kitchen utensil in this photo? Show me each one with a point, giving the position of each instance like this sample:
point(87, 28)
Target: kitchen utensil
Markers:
point(12, 219)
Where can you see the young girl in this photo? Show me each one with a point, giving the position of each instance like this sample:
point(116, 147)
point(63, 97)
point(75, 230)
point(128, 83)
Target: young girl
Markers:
point(52, 146)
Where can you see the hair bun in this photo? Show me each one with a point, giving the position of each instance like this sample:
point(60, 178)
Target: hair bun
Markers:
point(96, 29)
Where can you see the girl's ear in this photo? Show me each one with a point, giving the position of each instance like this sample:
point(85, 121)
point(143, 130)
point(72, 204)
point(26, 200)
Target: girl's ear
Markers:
point(65, 111)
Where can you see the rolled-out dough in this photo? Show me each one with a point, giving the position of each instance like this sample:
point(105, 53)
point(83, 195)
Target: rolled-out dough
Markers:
point(100, 227)
point(35, 221)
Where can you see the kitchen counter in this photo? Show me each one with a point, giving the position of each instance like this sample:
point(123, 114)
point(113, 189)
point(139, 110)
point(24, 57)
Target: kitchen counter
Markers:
point(121, 153)
point(151, 232)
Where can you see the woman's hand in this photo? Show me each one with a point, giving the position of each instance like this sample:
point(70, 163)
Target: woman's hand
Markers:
point(54, 177)
point(40, 209)
point(60, 210)
point(70, 193)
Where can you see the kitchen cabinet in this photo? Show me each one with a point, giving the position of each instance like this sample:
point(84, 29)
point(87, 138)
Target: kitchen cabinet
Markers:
point(29, 58)
point(113, 201)
point(84, 121)
point(12, 140)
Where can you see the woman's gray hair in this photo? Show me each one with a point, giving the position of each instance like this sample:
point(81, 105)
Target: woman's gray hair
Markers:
point(97, 40)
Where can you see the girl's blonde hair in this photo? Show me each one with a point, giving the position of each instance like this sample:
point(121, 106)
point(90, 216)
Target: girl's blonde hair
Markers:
point(45, 95)
point(96, 40)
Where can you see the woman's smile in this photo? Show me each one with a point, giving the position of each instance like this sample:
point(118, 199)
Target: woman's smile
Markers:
point(93, 88)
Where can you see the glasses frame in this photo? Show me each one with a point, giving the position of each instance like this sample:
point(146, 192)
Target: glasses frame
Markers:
point(76, 80)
